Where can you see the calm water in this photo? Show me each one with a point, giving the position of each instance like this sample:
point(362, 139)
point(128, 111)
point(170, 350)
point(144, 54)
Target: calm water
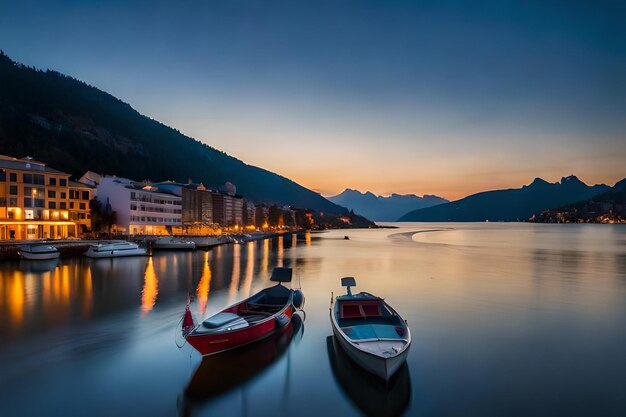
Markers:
point(507, 319)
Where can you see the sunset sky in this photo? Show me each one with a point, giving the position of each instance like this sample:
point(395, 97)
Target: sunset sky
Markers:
point(436, 97)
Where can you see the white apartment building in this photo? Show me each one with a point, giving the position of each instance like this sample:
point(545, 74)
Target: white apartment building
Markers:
point(140, 208)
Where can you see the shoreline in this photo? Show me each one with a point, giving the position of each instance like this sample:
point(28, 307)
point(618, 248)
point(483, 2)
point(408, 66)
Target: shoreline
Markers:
point(70, 248)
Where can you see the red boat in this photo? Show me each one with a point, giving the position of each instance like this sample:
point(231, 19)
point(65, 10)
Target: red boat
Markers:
point(248, 321)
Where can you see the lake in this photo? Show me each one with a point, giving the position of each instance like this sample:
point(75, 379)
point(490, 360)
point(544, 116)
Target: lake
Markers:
point(507, 319)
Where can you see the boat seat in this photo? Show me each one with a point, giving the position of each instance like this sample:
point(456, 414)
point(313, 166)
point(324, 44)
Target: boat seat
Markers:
point(360, 309)
point(371, 332)
point(350, 311)
point(220, 320)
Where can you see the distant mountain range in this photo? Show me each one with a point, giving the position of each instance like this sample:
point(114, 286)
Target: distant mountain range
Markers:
point(381, 208)
point(607, 207)
point(517, 204)
point(75, 127)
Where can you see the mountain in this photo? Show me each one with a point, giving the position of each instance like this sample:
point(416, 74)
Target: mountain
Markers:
point(607, 207)
point(75, 127)
point(516, 204)
point(383, 208)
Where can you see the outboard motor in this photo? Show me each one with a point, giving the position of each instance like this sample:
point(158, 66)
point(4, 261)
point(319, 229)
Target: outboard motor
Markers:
point(298, 299)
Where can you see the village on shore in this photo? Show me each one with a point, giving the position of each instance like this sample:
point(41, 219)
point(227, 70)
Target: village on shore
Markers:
point(38, 202)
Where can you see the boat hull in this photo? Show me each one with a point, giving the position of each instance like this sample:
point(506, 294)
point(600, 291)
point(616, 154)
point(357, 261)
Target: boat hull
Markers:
point(38, 256)
point(115, 253)
point(385, 368)
point(210, 344)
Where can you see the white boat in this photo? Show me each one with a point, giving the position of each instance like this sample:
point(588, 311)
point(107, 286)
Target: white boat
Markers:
point(372, 333)
point(115, 250)
point(204, 242)
point(38, 252)
point(172, 243)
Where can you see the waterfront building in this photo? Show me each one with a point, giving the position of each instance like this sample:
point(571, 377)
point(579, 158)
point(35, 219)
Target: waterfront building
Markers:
point(34, 201)
point(222, 209)
point(249, 213)
point(262, 215)
point(197, 205)
point(140, 207)
point(237, 210)
point(79, 211)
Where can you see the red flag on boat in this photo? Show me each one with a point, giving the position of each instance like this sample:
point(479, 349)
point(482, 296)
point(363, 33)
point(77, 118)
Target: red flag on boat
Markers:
point(187, 320)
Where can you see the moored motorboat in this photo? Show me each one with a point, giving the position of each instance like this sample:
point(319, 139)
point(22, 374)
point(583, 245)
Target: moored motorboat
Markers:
point(38, 252)
point(205, 242)
point(371, 332)
point(172, 243)
point(115, 250)
point(247, 321)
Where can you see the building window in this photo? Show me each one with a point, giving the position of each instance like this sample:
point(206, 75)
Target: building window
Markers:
point(85, 195)
point(52, 194)
point(71, 205)
point(34, 202)
point(63, 182)
point(52, 181)
point(34, 192)
point(62, 205)
point(52, 205)
point(13, 190)
point(13, 177)
point(3, 175)
point(27, 178)
point(12, 202)
point(82, 206)
point(64, 195)
point(29, 214)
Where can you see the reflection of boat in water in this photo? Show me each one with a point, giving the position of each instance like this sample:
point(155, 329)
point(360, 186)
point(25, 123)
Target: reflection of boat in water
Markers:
point(38, 252)
point(115, 250)
point(221, 373)
point(371, 332)
point(172, 243)
point(247, 321)
point(370, 394)
point(39, 266)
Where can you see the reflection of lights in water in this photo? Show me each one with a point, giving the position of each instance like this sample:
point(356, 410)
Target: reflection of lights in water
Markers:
point(65, 284)
point(279, 263)
point(266, 254)
point(307, 238)
point(150, 288)
point(247, 282)
point(16, 298)
point(234, 279)
point(204, 286)
point(294, 240)
point(87, 296)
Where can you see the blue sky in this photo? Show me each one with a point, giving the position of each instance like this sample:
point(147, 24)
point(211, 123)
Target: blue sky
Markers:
point(433, 97)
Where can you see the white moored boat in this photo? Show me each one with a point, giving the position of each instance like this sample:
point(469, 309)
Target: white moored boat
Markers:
point(205, 242)
point(115, 250)
point(371, 332)
point(172, 243)
point(39, 252)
